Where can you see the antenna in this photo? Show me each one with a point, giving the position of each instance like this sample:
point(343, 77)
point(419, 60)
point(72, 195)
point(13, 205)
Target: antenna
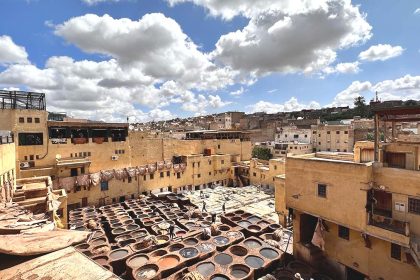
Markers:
point(376, 94)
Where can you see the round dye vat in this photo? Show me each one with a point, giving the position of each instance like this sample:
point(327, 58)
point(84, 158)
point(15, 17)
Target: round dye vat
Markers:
point(188, 252)
point(221, 240)
point(230, 214)
point(234, 234)
point(206, 247)
point(223, 259)
point(235, 219)
point(219, 277)
point(238, 250)
point(118, 231)
point(254, 228)
point(128, 222)
point(269, 253)
point(206, 269)
point(239, 212)
point(102, 260)
point(118, 254)
point(190, 241)
point(168, 261)
point(98, 241)
point(138, 234)
point(239, 271)
point(98, 234)
point(158, 253)
point(101, 249)
point(116, 225)
point(189, 224)
point(175, 247)
point(161, 239)
point(224, 228)
point(146, 272)
point(82, 246)
point(263, 223)
point(137, 260)
point(180, 233)
point(254, 261)
point(244, 224)
point(252, 243)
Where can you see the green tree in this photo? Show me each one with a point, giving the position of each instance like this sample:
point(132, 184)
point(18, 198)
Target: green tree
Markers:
point(360, 107)
point(261, 153)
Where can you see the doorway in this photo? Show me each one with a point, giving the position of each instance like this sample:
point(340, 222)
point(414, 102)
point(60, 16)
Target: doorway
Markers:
point(307, 227)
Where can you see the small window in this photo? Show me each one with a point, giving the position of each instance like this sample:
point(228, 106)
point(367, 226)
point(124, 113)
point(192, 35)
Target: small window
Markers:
point(223, 161)
point(116, 152)
point(29, 120)
point(198, 175)
point(314, 132)
point(193, 164)
point(322, 190)
point(337, 132)
point(84, 154)
point(26, 157)
point(254, 174)
point(319, 143)
point(89, 154)
point(346, 132)
point(178, 175)
point(36, 120)
point(80, 154)
point(345, 150)
point(296, 136)
point(82, 170)
point(218, 146)
point(395, 251)
point(285, 135)
point(319, 135)
point(71, 155)
point(151, 176)
point(198, 164)
point(414, 205)
point(344, 232)
point(161, 174)
point(306, 135)
point(31, 157)
point(21, 120)
point(129, 179)
point(209, 173)
point(73, 172)
point(114, 200)
point(144, 177)
point(168, 173)
point(104, 186)
point(275, 167)
point(132, 196)
point(209, 162)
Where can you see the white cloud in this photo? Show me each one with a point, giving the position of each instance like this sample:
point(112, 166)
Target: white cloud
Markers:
point(154, 44)
point(302, 38)
point(381, 52)
point(238, 92)
point(10, 52)
point(344, 68)
point(417, 11)
point(94, 2)
point(347, 96)
point(291, 105)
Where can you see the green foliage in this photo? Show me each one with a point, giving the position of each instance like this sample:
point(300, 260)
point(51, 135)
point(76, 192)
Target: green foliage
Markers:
point(261, 153)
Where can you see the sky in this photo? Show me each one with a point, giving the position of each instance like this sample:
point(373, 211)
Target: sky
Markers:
point(160, 59)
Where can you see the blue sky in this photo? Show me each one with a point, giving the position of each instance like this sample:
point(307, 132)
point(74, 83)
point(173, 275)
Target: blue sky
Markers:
point(190, 57)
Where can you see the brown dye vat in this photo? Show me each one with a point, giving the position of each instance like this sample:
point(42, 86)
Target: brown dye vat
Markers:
point(230, 214)
point(107, 267)
point(190, 224)
point(238, 250)
point(188, 252)
point(269, 253)
point(254, 228)
point(158, 220)
point(191, 241)
point(224, 228)
point(127, 242)
point(138, 246)
point(175, 247)
point(139, 233)
point(102, 260)
point(118, 254)
point(254, 262)
point(118, 231)
point(223, 259)
point(180, 233)
point(274, 226)
point(158, 253)
point(82, 246)
point(98, 234)
point(239, 212)
point(148, 224)
point(239, 271)
point(98, 241)
point(263, 223)
point(206, 269)
point(132, 227)
point(244, 224)
point(116, 225)
point(117, 260)
point(246, 215)
point(122, 237)
point(252, 243)
point(128, 222)
point(235, 219)
point(146, 272)
point(137, 260)
point(168, 261)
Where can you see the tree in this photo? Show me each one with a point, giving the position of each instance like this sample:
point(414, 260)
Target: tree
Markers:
point(360, 106)
point(261, 153)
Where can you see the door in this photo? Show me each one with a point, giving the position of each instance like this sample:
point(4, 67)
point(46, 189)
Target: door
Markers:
point(84, 201)
point(395, 160)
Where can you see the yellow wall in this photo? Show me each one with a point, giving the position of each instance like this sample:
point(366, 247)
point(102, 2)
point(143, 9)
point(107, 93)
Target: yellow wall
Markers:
point(325, 137)
point(7, 167)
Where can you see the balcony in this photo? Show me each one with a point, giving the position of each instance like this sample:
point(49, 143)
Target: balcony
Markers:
point(389, 229)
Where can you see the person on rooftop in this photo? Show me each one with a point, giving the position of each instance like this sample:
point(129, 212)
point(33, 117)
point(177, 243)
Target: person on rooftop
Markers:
point(204, 207)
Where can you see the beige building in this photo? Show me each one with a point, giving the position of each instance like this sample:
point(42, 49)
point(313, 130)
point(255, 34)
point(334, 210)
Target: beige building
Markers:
point(7, 166)
point(334, 138)
point(354, 216)
point(287, 134)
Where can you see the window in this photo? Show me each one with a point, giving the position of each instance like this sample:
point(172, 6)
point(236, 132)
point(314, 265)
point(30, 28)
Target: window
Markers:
point(80, 154)
point(319, 143)
point(102, 202)
point(198, 164)
point(314, 132)
point(129, 179)
point(275, 167)
point(209, 173)
point(193, 164)
point(414, 205)
point(104, 186)
point(344, 232)
point(73, 172)
point(395, 251)
point(218, 146)
point(168, 173)
point(89, 154)
point(223, 161)
point(29, 139)
point(151, 176)
point(31, 157)
point(84, 154)
point(209, 162)
point(198, 175)
point(178, 175)
point(328, 132)
point(36, 120)
point(306, 135)
point(26, 157)
point(337, 132)
point(132, 196)
point(29, 120)
point(21, 120)
point(144, 177)
point(345, 150)
point(114, 200)
point(82, 170)
point(161, 174)
point(322, 190)
point(285, 135)
point(328, 149)
point(346, 132)
point(254, 174)
point(319, 135)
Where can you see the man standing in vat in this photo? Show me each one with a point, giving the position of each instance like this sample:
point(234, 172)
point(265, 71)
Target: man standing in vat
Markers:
point(224, 207)
point(213, 217)
point(204, 207)
point(171, 231)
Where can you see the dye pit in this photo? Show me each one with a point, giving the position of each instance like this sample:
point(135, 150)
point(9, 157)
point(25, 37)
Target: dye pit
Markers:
point(132, 240)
